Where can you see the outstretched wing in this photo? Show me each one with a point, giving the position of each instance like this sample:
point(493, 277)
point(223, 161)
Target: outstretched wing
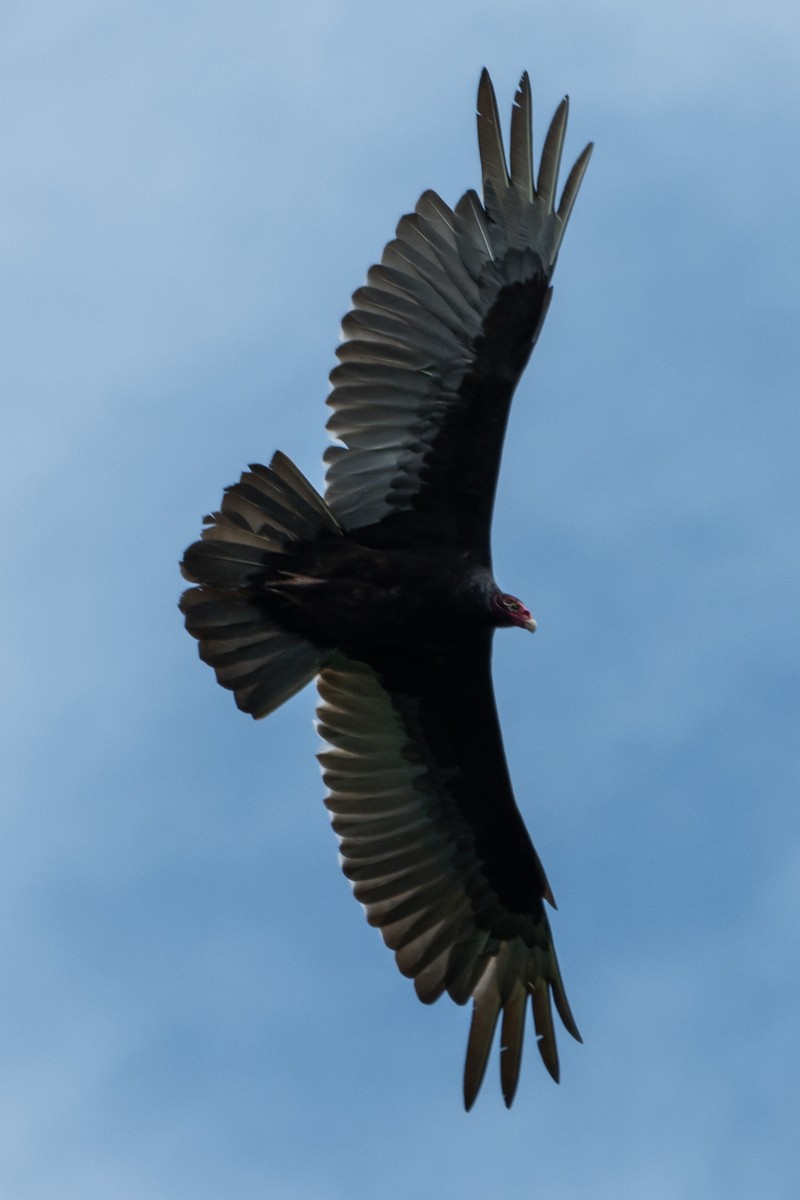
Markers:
point(435, 848)
point(438, 338)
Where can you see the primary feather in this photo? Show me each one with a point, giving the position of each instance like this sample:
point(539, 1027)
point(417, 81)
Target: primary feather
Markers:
point(384, 591)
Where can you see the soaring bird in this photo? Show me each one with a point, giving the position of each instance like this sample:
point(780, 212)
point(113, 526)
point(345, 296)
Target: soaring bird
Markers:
point(384, 592)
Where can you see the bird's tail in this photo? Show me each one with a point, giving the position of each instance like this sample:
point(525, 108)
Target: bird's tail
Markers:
point(262, 516)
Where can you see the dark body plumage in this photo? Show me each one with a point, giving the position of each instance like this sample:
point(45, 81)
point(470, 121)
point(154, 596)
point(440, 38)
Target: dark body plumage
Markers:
point(384, 591)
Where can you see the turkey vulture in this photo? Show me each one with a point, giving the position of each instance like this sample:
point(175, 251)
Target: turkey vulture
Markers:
point(384, 592)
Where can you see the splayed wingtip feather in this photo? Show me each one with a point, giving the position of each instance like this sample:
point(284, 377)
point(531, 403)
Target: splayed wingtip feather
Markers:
point(521, 151)
point(551, 155)
point(490, 138)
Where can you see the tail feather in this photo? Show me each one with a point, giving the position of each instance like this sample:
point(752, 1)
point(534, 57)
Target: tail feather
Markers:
point(303, 492)
point(261, 517)
point(259, 662)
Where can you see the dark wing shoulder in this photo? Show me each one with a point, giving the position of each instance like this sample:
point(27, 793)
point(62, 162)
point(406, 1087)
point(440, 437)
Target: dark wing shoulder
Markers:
point(436, 850)
point(436, 341)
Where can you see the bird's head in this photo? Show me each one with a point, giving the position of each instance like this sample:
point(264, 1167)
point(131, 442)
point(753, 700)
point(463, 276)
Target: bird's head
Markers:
point(508, 610)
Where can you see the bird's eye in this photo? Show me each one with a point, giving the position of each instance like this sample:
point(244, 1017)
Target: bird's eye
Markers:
point(510, 604)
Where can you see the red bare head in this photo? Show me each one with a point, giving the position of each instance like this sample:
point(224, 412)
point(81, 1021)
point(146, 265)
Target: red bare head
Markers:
point(508, 610)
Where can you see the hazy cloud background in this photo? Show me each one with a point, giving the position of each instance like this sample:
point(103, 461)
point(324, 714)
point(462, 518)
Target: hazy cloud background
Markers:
point(192, 1005)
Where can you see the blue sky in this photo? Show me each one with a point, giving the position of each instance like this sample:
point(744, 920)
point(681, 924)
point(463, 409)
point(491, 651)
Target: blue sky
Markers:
point(192, 1004)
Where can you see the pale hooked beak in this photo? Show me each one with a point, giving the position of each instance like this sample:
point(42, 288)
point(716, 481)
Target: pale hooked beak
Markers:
point(530, 624)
